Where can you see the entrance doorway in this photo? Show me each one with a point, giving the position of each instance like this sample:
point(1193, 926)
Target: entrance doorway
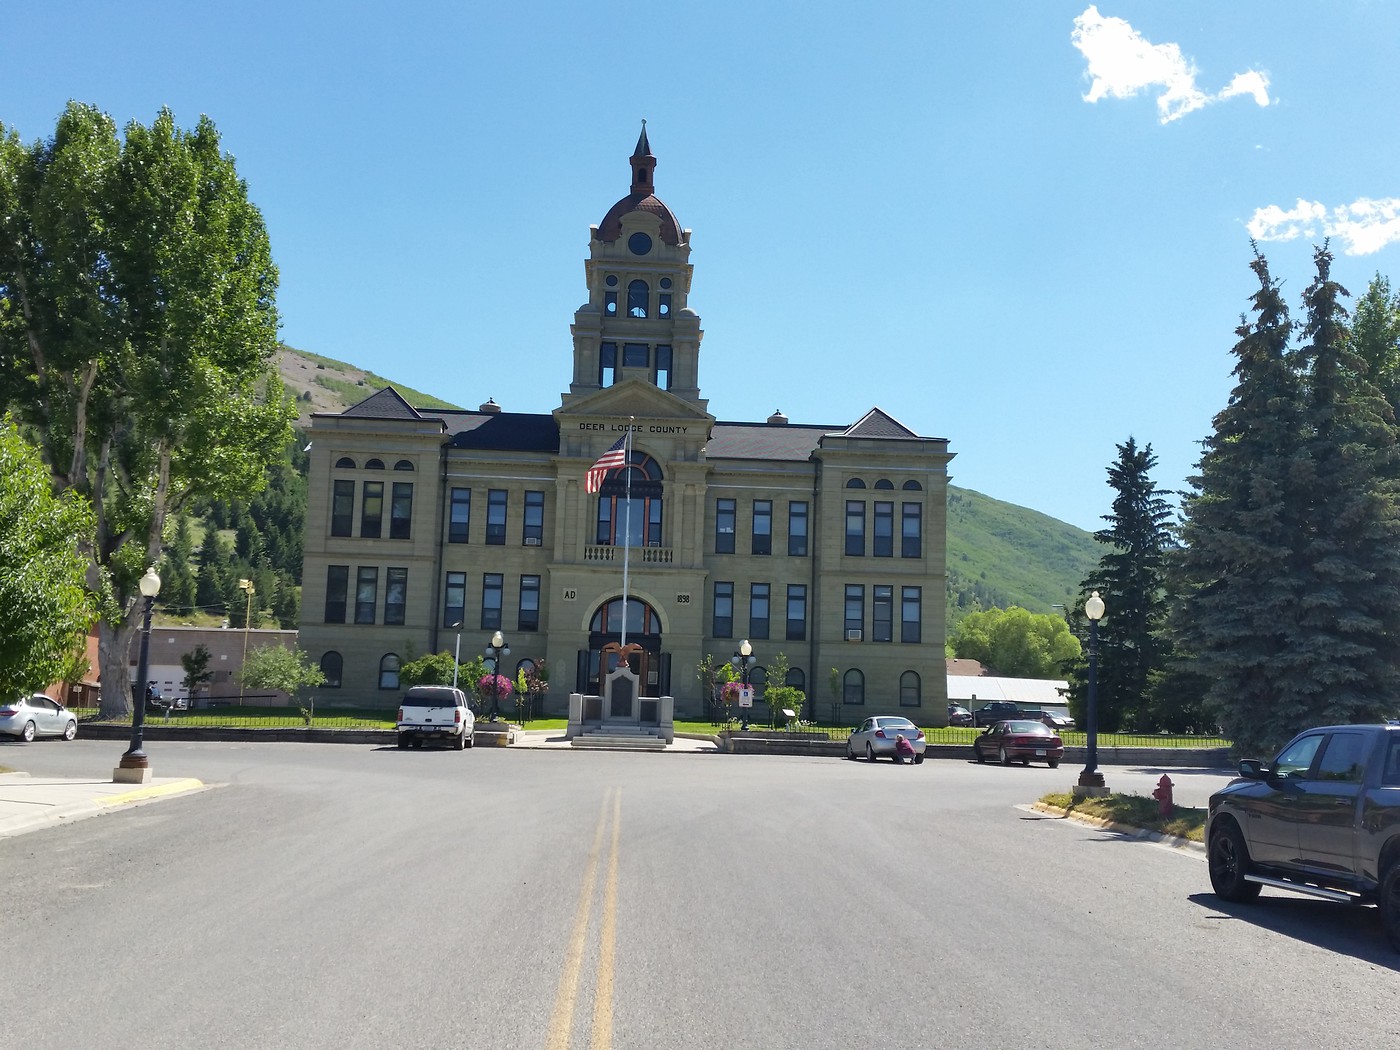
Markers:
point(644, 656)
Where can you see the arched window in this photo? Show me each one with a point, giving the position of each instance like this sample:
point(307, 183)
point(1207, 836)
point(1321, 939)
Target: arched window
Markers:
point(403, 464)
point(855, 483)
point(913, 486)
point(389, 671)
point(796, 678)
point(374, 464)
point(853, 687)
point(884, 483)
point(332, 667)
point(527, 665)
point(638, 299)
point(345, 463)
point(641, 618)
point(909, 689)
point(634, 524)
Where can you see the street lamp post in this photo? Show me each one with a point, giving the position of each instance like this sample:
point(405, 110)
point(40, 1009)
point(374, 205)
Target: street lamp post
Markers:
point(743, 662)
point(1090, 779)
point(246, 586)
point(134, 767)
point(494, 652)
point(456, 653)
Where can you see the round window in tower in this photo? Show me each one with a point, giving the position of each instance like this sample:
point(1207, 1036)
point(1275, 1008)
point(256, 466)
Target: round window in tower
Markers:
point(639, 244)
point(665, 282)
point(612, 280)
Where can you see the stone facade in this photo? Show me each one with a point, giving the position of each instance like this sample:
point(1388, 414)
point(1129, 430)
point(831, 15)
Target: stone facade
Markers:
point(825, 543)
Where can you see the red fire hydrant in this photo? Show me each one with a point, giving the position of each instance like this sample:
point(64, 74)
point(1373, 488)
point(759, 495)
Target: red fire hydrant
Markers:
point(1163, 794)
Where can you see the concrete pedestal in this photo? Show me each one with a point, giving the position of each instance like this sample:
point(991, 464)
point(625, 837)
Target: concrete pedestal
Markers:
point(131, 775)
point(1090, 791)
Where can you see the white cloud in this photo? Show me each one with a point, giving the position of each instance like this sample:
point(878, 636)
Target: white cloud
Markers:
point(1121, 64)
point(1363, 227)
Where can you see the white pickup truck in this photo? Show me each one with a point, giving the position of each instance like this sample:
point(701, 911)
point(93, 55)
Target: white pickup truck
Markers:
point(437, 713)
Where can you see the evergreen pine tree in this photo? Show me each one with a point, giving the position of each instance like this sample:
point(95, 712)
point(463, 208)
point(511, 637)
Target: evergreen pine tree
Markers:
point(1129, 579)
point(1240, 522)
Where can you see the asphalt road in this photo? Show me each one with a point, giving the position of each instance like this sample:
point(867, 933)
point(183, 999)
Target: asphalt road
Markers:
point(344, 896)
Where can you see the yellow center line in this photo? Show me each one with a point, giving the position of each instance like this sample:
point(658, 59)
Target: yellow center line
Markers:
point(562, 1021)
point(603, 993)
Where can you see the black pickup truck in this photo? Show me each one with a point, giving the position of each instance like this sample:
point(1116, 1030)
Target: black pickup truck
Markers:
point(1322, 818)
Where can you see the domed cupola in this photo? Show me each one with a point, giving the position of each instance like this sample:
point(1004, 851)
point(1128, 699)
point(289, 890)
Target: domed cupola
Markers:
point(642, 198)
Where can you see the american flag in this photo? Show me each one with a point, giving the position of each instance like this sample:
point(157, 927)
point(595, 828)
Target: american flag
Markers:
point(613, 458)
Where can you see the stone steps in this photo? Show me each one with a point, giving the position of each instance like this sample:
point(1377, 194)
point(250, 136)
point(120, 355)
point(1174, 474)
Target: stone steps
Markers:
point(620, 738)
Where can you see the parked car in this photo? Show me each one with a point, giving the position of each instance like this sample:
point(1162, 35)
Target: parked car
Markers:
point(959, 715)
point(1323, 818)
point(1020, 739)
point(1057, 718)
point(436, 713)
point(996, 711)
point(37, 715)
point(876, 736)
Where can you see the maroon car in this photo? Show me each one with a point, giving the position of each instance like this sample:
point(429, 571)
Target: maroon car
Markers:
point(1021, 739)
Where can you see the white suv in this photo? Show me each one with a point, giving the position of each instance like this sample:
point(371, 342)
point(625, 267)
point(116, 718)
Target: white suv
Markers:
point(436, 713)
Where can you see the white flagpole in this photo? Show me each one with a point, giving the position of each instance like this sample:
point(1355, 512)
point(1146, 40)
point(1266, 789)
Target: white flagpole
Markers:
point(627, 525)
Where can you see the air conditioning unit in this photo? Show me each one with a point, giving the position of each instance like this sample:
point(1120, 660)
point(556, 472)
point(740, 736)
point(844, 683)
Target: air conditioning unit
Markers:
point(532, 541)
point(854, 636)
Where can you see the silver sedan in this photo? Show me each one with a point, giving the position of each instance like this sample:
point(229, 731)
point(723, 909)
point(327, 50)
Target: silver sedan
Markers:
point(37, 715)
point(876, 736)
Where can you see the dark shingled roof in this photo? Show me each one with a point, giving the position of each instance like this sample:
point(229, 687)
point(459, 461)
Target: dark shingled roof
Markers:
point(383, 404)
point(764, 441)
point(505, 431)
point(879, 424)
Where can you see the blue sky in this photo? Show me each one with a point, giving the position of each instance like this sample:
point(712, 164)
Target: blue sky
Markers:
point(1020, 226)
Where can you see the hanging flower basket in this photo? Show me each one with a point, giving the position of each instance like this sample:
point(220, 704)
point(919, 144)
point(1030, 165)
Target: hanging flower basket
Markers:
point(493, 685)
point(729, 692)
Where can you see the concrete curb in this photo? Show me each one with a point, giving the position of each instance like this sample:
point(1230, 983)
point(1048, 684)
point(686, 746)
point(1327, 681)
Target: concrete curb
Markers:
point(174, 787)
point(29, 803)
point(1127, 830)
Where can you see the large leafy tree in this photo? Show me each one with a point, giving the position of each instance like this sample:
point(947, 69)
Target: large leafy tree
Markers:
point(1015, 643)
point(1130, 578)
point(137, 336)
point(45, 609)
point(1291, 582)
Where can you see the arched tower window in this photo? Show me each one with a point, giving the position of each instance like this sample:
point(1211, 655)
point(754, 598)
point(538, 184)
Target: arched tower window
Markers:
point(638, 299)
point(638, 523)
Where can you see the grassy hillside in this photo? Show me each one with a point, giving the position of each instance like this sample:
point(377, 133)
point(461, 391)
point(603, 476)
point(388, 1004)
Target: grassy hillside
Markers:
point(999, 554)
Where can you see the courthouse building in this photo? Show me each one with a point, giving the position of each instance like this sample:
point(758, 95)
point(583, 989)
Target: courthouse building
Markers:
point(825, 543)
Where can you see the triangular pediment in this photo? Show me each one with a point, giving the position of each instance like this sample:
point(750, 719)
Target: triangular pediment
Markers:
point(878, 423)
point(633, 397)
point(383, 404)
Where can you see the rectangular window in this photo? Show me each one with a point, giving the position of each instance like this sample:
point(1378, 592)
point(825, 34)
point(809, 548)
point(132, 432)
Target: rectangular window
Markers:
point(797, 612)
point(454, 605)
point(758, 610)
point(882, 615)
point(395, 595)
point(605, 529)
point(372, 510)
point(883, 546)
point(855, 611)
point(534, 518)
point(797, 529)
point(912, 531)
point(661, 376)
point(855, 527)
point(343, 508)
point(496, 516)
point(401, 511)
point(366, 593)
point(763, 526)
point(725, 513)
point(607, 352)
point(337, 589)
point(911, 604)
point(724, 610)
point(492, 592)
point(529, 617)
point(634, 355)
point(460, 517)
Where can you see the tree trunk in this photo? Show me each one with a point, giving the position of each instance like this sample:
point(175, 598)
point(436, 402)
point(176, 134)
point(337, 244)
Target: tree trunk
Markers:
point(114, 661)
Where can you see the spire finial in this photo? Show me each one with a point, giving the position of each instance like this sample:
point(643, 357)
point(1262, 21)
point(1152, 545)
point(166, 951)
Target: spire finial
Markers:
point(643, 163)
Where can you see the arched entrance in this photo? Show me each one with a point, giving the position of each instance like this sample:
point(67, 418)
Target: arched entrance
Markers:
point(644, 655)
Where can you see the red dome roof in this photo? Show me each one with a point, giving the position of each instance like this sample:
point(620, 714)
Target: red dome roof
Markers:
point(641, 198)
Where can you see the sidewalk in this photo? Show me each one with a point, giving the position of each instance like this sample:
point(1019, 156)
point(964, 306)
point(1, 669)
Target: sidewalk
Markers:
point(30, 803)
